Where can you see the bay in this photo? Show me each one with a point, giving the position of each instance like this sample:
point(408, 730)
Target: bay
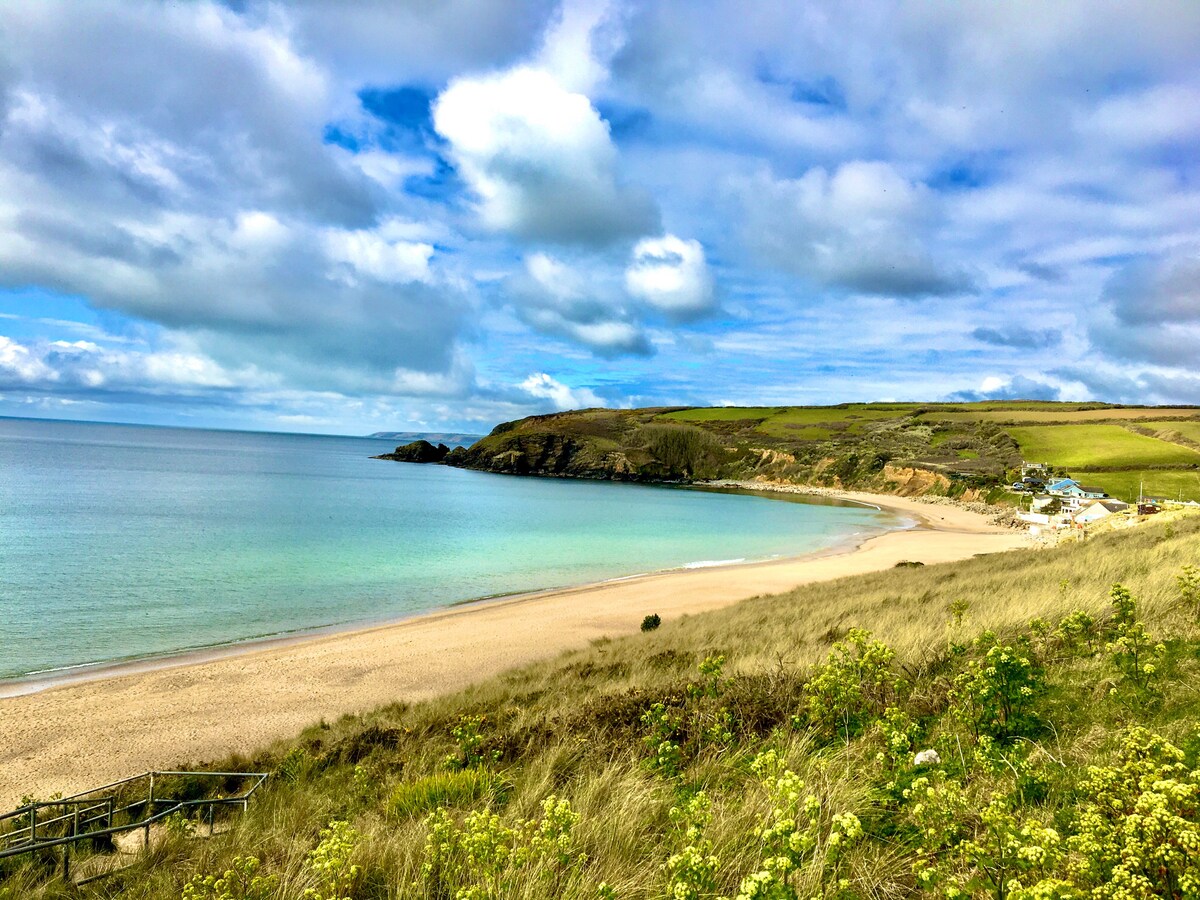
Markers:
point(121, 542)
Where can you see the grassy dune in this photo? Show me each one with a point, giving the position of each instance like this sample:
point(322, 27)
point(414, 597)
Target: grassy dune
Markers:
point(674, 750)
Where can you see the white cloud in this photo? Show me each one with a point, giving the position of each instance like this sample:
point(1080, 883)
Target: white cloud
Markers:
point(578, 44)
point(671, 275)
point(541, 386)
point(583, 306)
point(86, 367)
point(370, 254)
point(539, 158)
point(859, 226)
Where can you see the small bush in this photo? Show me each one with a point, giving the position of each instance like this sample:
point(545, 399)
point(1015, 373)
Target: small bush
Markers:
point(242, 882)
point(468, 734)
point(996, 694)
point(854, 686)
point(420, 797)
point(651, 622)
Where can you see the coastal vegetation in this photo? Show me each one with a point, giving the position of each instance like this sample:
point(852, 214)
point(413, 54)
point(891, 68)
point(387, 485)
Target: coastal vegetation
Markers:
point(967, 450)
point(1015, 726)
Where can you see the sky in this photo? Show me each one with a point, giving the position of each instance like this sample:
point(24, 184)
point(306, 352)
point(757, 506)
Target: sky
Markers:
point(403, 215)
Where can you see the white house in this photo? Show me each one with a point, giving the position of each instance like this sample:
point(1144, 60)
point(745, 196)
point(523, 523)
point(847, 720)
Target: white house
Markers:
point(1099, 509)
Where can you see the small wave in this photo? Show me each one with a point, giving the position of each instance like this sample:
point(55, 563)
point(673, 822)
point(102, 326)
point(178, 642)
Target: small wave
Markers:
point(709, 563)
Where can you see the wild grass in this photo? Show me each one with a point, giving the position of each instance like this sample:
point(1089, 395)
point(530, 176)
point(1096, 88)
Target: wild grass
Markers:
point(631, 732)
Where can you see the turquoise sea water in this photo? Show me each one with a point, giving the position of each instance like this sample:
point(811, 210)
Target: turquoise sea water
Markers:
point(120, 542)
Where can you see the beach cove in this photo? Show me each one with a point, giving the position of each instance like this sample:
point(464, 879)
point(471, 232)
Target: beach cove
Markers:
point(169, 712)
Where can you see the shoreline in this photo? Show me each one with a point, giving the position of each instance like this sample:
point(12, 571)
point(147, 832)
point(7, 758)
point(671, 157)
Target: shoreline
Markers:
point(82, 673)
point(104, 724)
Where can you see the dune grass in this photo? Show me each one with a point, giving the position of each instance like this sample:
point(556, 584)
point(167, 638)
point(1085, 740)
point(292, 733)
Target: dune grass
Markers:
point(654, 766)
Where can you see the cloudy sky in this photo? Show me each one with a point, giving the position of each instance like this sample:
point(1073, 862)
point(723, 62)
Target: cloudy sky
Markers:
point(410, 215)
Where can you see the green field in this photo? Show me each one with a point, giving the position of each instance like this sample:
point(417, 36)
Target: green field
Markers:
point(1086, 446)
point(721, 414)
point(1171, 484)
point(1040, 416)
point(1190, 429)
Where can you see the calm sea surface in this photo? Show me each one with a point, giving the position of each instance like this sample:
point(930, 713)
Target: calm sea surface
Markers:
point(119, 542)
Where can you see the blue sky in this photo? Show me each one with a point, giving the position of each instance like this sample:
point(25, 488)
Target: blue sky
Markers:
point(359, 217)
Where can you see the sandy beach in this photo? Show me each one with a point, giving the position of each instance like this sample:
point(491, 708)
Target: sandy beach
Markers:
point(75, 735)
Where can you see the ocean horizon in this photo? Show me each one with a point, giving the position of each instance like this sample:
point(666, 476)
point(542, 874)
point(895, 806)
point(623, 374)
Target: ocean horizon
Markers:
point(129, 542)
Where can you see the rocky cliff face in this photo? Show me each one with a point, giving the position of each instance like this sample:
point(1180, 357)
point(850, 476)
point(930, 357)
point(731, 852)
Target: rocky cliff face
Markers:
point(896, 455)
point(418, 452)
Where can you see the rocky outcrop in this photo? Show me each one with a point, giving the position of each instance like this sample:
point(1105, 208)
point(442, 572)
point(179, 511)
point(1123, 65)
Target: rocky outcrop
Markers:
point(418, 452)
point(534, 453)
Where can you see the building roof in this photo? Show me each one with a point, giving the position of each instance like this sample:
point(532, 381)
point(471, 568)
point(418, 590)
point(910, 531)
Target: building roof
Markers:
point(1092, 490)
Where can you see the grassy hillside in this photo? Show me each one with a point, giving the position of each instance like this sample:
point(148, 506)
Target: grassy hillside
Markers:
point(769, 750)
point(954, 449)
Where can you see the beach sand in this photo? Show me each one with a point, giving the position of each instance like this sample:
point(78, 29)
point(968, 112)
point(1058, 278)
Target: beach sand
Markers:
point(73, 736)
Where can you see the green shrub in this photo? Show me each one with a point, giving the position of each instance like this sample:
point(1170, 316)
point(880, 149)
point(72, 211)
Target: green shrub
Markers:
point(457, 788)
point(799, 833)
point(662, 740)
point(468, 734)
point(651, 622)
point(329, 863)
point(488, 859)
point(854, 686)
point(241, 882)
point(692, 872)
point(1139, 831)
point(1189, 589)
point(995, 695)
point(1134, 653)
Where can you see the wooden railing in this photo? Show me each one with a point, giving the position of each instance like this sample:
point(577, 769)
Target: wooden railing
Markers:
point(101, 813)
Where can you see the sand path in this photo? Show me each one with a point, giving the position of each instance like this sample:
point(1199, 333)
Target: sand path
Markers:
point(154, 716)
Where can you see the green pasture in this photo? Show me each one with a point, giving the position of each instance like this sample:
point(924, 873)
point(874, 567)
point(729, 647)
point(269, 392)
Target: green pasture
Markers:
point(1172, 484)
point(721, 414)
point(1189, 429)
point(1086, 446)
point(1058, 414)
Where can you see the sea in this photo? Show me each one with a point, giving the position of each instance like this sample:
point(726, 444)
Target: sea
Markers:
point(123, 542)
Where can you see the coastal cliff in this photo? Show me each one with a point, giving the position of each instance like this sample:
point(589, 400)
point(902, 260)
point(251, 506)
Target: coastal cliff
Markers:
point(890, 449)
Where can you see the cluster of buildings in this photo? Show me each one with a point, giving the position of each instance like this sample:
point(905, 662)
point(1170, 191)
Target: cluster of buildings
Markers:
point(1057, 503)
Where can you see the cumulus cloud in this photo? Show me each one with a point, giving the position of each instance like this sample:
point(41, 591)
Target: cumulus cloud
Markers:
point(856, 227)
point(1017, 336)
point(1013, 387)
point(540, 159)
point(76, 368)
point(379, 43)
point(557, 299)
point(151, 187)
point(1150, 311)
point(541, 386)
point(672, 276)
point(375, 254)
